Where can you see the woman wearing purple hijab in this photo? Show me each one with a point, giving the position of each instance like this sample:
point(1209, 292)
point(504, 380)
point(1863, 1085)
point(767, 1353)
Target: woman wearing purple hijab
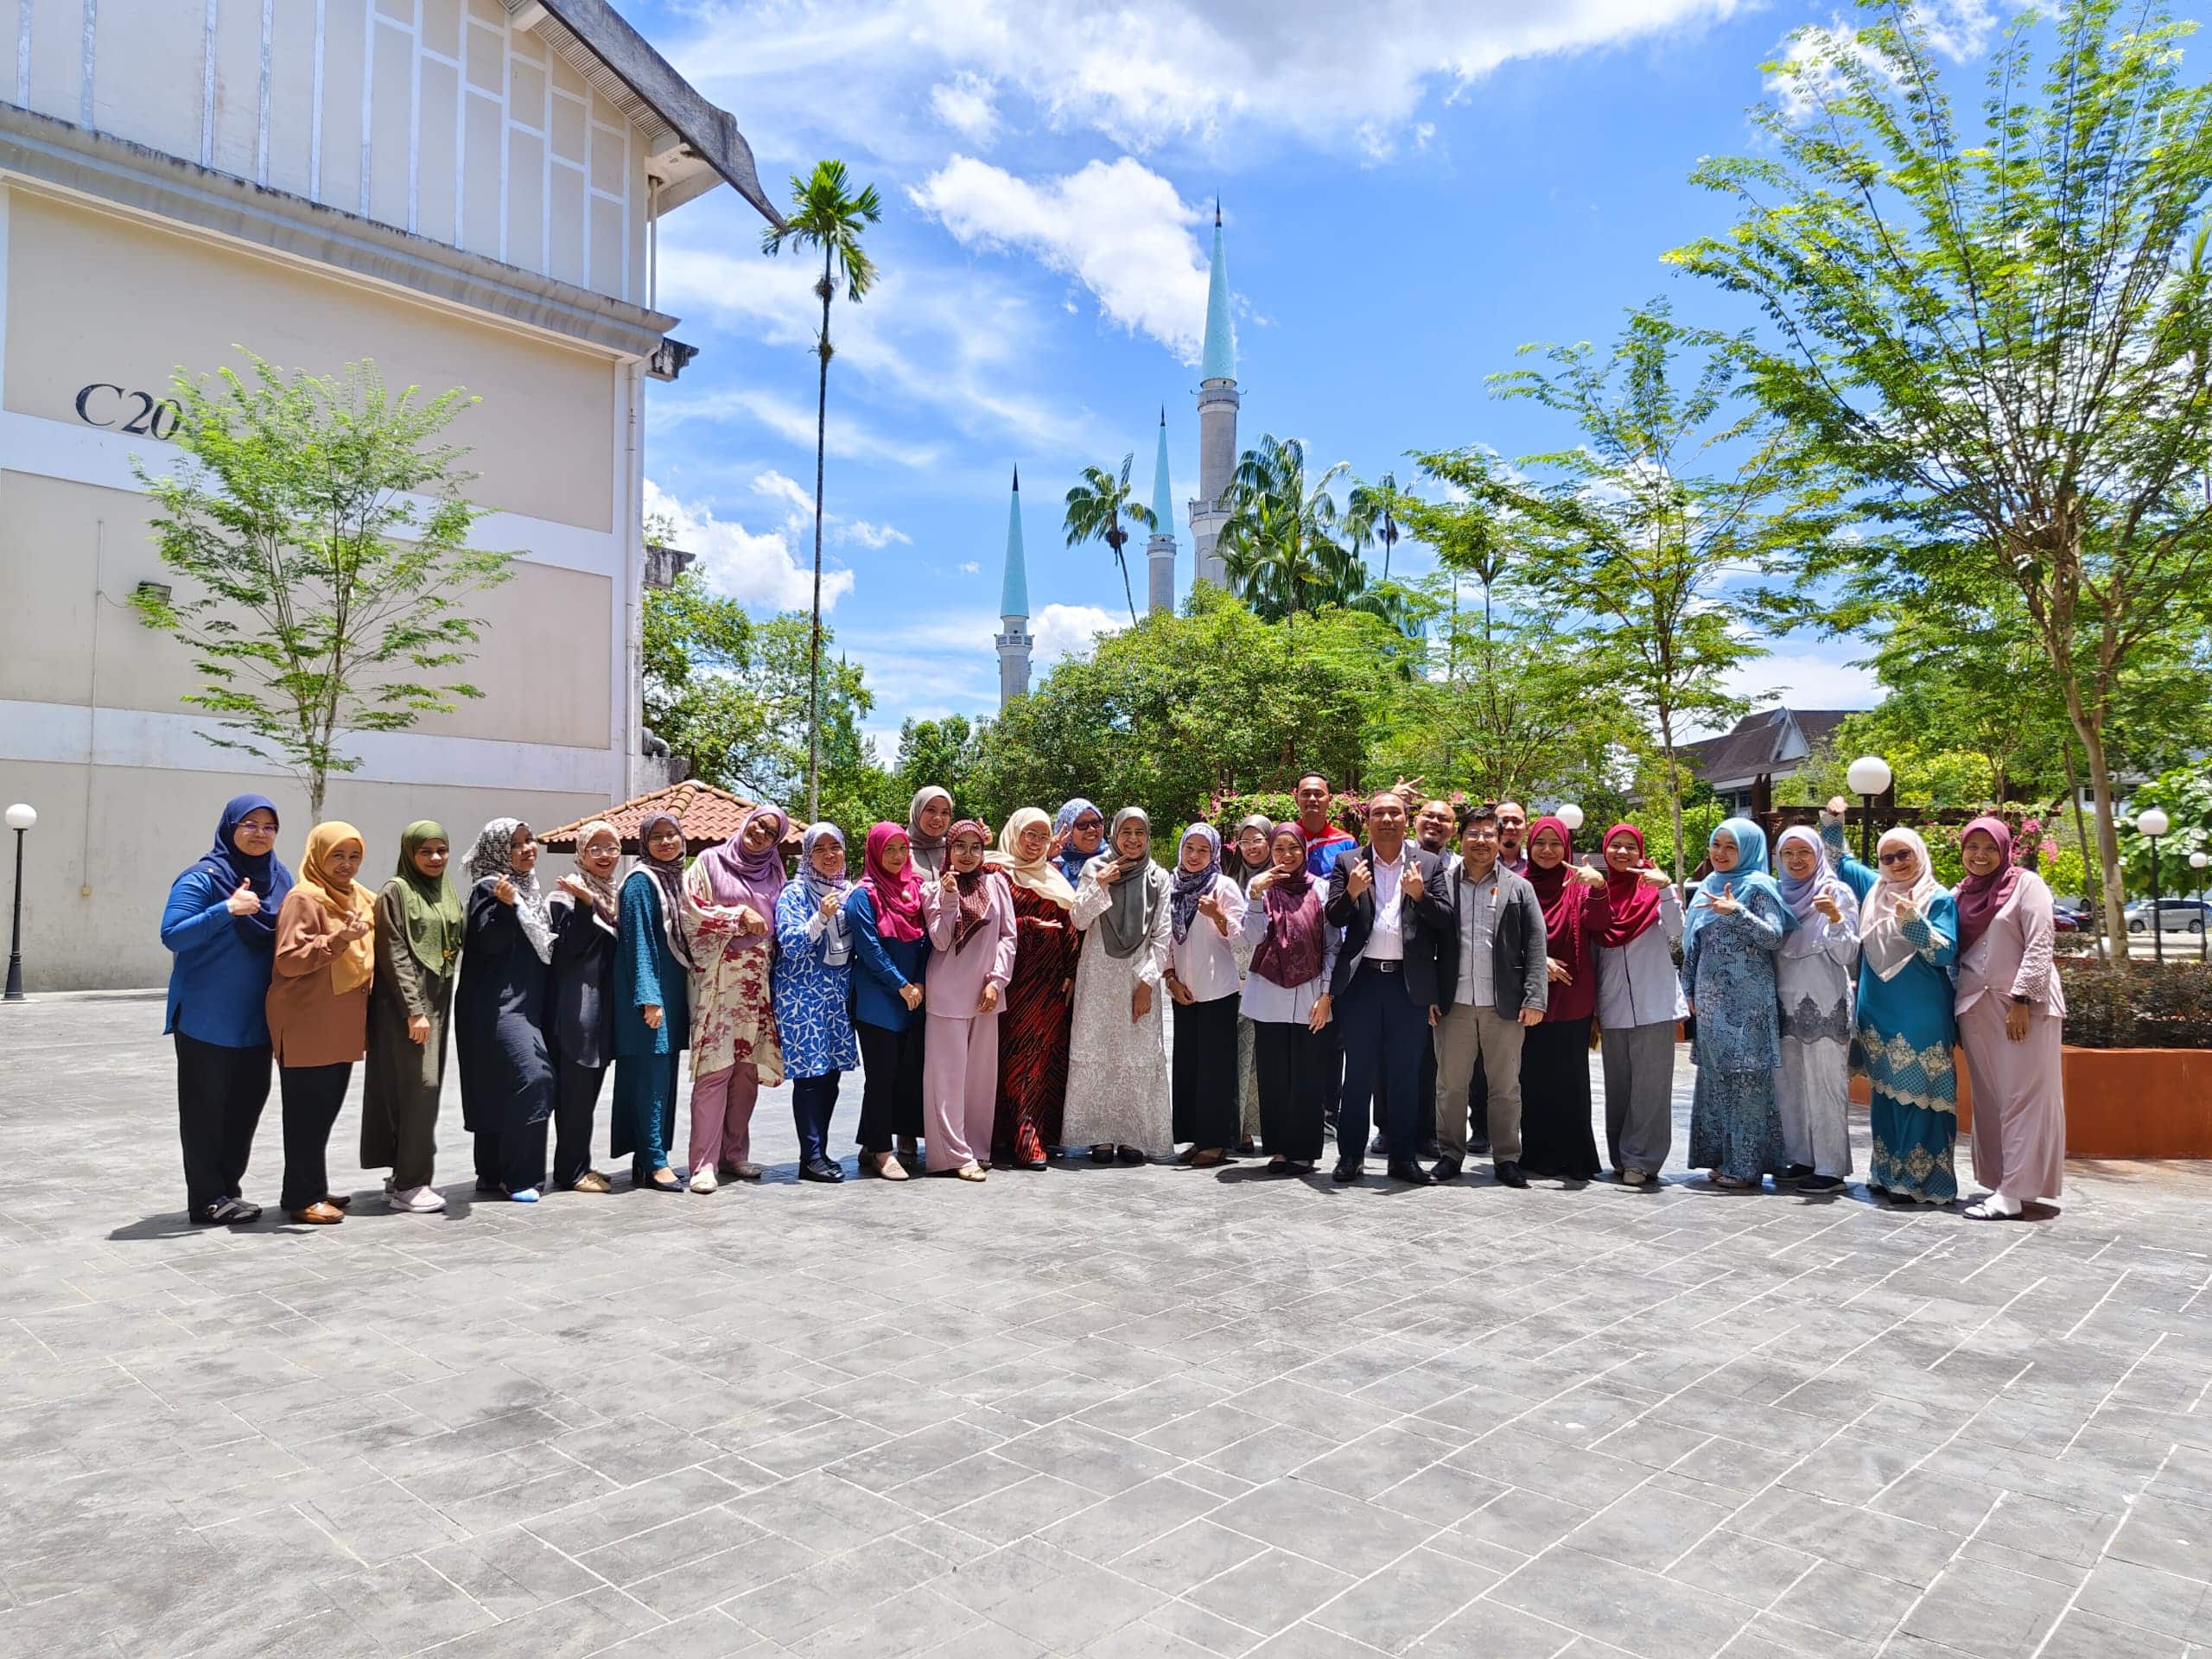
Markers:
point(734, 1045)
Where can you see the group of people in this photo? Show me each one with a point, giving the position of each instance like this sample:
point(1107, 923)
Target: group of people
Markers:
point(1006, 997)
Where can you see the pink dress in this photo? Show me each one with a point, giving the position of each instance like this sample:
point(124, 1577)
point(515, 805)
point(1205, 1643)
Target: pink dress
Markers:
point(2019, 1098)
point(960, 1046)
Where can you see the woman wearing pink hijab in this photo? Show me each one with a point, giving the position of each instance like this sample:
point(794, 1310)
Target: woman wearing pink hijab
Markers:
point(734, 1045)
point(2010, 1010)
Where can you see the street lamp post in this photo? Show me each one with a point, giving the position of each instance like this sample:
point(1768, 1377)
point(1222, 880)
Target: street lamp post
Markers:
point(21, 818)
point(2197, 861)
point(2151, 825)
point(1869, 776)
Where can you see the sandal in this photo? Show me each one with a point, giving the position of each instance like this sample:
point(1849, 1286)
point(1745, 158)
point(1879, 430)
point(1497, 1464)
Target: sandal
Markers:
point(886, 1166)
point(1212, 1158)
point(971, 1173)
point(1278, 1165)
point(1988, 1210)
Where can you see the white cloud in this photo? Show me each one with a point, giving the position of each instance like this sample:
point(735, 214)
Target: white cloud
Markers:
point(1070, 630)
point(848, 440)
point(1143, 72)
point(1810, 71)
point(757, 570)
point(969, 568)
point(1118, 227)
point(799, 514)
point(968, 104)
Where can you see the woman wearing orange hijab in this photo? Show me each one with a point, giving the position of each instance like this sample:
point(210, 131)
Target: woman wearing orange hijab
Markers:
point(318, 1010)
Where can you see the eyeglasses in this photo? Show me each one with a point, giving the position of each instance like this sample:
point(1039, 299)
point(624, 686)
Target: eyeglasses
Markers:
point(1903, 855)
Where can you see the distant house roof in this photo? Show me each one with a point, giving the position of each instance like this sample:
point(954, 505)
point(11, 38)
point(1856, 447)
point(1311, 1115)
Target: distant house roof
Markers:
point(693, 142)
point(1756, 746)
point(708, 815)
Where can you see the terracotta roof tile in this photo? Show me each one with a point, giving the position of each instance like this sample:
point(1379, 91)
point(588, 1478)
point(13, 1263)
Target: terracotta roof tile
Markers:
point(708, 815)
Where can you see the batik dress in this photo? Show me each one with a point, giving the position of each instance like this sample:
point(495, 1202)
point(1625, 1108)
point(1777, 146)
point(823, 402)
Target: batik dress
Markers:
point(813, 1033)
point(1033, 1030)
point(1728, 975)
point(1903, 1045)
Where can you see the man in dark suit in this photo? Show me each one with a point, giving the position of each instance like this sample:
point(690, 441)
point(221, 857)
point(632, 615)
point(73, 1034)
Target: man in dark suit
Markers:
point(1388, 899)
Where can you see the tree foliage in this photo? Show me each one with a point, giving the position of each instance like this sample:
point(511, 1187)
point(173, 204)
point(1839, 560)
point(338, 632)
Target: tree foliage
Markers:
point(319, 529)
point(1996, 334)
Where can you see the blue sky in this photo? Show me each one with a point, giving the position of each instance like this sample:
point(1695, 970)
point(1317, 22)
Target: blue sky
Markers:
point(1412, 190)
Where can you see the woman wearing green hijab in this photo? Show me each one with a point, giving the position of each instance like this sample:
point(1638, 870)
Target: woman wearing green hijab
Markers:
point(418, 932)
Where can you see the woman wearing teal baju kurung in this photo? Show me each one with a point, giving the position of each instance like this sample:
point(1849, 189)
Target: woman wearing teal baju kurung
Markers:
point(1736, 920)
point(651, 1015)
point(1909, 934)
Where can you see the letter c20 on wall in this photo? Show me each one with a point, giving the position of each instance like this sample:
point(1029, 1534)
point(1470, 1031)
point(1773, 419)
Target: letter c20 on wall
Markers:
point(138, 413)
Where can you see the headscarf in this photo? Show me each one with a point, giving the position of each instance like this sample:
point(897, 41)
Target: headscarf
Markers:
point(1980, 897)
point(668, 876)
point(490, 859)
point(1881, 937)
point(926, 853)
point(1635, 902)
point(1128, 916)
point(974, 895)
point(737, 877)
point(837, 943)
point(1041, 876)
point(1797, 896)
point(1193, 885)
point(897, 899)
point(1560, 895)
point(354, 967)
point(431, 909)
point(1290, 952)
point(1750, 876)
point(266, 874)
point(604, 895)
point(1071, 861)
point(1232, 853)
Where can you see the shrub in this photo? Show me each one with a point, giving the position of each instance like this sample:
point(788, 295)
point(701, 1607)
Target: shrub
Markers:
point(2142, 1007)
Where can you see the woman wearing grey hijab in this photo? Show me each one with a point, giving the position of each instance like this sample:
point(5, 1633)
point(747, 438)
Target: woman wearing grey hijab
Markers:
point(1117, 1049)
point(929, 821)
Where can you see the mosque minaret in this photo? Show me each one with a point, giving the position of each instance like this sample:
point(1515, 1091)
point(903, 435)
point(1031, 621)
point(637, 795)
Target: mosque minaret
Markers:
point(1015, 641)
point(1217, 404)
point(1160, 551)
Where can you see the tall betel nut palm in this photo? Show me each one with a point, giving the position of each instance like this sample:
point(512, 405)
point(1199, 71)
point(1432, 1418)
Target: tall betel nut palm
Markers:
point(1096, 509)
point(825, 214)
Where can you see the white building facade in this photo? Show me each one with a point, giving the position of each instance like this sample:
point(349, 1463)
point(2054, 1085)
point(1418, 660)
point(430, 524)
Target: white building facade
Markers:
point(465, 191)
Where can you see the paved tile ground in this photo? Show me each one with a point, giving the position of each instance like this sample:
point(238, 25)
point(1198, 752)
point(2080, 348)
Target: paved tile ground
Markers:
point(1102, 1412)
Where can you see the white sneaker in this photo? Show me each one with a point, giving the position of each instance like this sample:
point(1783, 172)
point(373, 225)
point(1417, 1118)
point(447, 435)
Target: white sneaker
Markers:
point(415, 1200)
point(702, 1179)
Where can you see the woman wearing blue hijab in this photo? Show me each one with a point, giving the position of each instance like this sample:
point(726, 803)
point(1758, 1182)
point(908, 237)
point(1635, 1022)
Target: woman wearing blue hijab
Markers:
point(1079, 833)
point(1736, 920)
point(220, 925)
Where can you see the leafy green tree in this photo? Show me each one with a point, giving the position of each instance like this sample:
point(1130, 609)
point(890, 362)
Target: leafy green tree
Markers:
point(948, 753)
point(1997, 333)
point(320, 528)
point(826, 213)
point(1096, 509)
point(1627, 537)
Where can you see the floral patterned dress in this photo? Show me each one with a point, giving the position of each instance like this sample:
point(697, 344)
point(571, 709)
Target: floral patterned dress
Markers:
point(732, 1016)
point(1728, 974)
point(812, 1027)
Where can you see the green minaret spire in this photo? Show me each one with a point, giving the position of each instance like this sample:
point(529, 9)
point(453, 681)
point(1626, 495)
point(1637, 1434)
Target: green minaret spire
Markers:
point(1163, 499)
point(1013, 597)
point(1220, 361)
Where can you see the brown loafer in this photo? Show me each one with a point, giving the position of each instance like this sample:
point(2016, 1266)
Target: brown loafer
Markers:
point(592, 1181)
point(318, 1215)
point(747, 1171)
point(339, 1200)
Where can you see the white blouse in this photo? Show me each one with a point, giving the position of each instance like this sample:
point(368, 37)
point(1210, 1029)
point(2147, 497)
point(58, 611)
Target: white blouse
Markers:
point(1206, 961)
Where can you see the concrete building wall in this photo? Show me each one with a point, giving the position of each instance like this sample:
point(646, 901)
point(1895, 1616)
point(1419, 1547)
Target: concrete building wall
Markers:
point(435, 116)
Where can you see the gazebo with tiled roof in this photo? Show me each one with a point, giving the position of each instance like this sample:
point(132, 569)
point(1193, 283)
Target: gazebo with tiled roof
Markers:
point(708, 815)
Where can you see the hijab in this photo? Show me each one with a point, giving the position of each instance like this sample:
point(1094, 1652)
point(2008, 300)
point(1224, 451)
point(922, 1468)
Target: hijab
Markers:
point(1750, 876)
point(429, 909)
point(1071, 861)
point(1232, 856)
point(604, 896)
point(1041, 875)
point(1882, 938)
point(836, 943)
point(1980, 897)
point(897, 899)
point(354, 966)
point(1290, 952)
point(1634, 901)
point(736, 877)
point(668, 876)
point(1797, 896)
point(266, 874)
point(975, 893)
point(1191, 886)
point(490, 859)
point(1128, 913)
point(927, 853)
point(1557, 890)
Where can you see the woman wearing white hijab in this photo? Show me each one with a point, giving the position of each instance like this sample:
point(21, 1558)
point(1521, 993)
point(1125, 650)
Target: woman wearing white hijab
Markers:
point(1908, 935)
point(1117, 1047)
point(1813, 971)
point(1206, 922)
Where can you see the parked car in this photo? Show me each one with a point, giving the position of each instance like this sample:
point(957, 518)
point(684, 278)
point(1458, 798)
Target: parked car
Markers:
point(2072, 916)
point(2175, 916)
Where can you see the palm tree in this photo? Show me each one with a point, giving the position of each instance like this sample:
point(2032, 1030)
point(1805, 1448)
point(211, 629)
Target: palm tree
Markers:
point(1096, 509)
point(1371, 515)
point(825, 215)
point(1279, 543)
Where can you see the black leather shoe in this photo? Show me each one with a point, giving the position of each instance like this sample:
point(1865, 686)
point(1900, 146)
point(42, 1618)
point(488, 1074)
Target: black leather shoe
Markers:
point(1428, 1150)
point(1411, 1175)
point(1479, 1144)
point(1509, 1174)
point(1446, 1169)
point(1378, 1148)
point(821, 1169)
point(1348, 1170)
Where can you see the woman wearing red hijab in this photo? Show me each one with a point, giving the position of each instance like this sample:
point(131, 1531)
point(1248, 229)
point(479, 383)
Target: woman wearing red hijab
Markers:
point(1639, 998)
point(1556, 1134)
